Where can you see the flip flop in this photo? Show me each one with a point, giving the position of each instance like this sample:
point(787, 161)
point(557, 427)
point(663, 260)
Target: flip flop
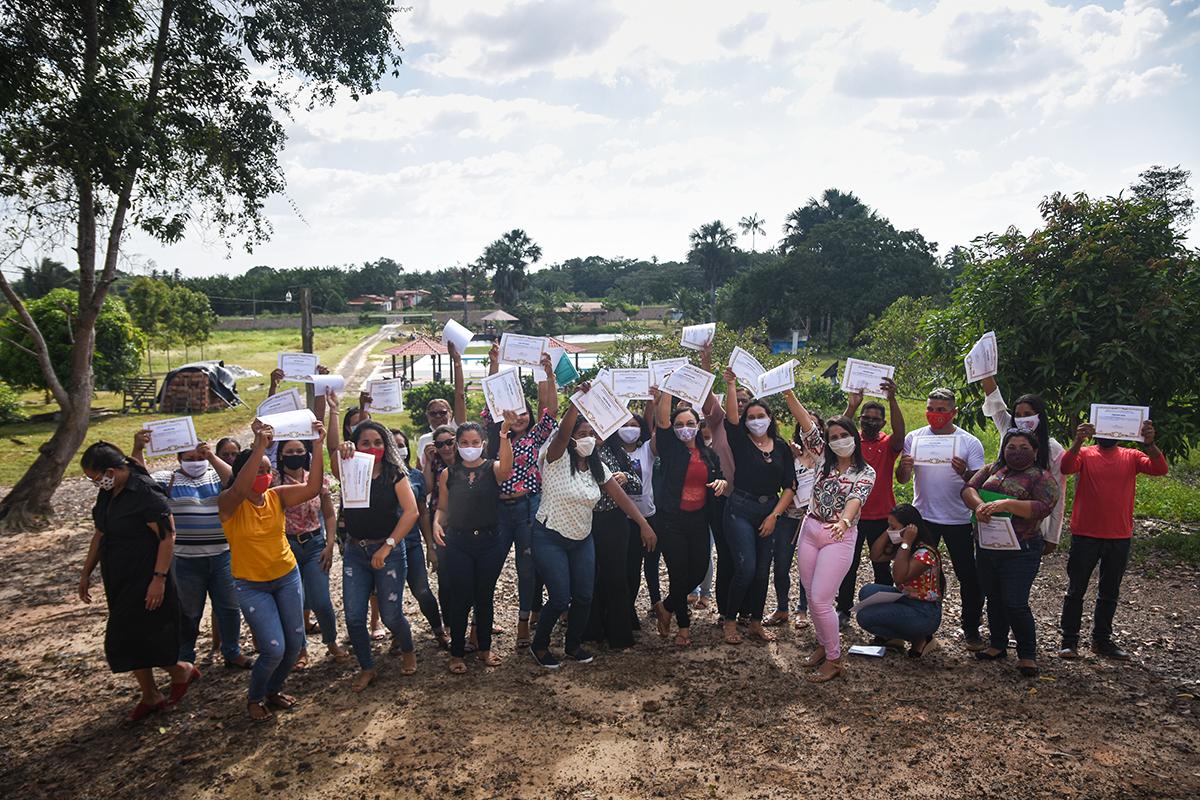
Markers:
point(775, 620)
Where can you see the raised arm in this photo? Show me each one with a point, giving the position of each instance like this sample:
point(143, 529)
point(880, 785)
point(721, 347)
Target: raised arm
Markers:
point(803, 418)
point(547, 391)
point(295, 494)
point(276, 379)
point(898, 429)
point(494, 358)
point(232, 497)
point(710, 402)
point(333, 435)
point(140, 440)
point(223, 470)
point(731, 406)
point(460, 386)
point(853, 401)
point(558, 445)
point(504, 465)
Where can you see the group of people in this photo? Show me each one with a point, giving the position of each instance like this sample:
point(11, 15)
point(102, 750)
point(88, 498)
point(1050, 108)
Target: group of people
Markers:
point(258, 529)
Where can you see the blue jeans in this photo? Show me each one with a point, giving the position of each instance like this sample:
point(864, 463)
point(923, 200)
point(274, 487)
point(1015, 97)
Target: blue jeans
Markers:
point(471, 564)
point(514, 520)
point(705, 588)
point(316, 583)
point(786, 530)
point(418, 582)
point(1006, 576)
point(907, 619)
point(197, 578)
point(568, 568)
point(274, 610)
point(751, 553)
point(359, 581)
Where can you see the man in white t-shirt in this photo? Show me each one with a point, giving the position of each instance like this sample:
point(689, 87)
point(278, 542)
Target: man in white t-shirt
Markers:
point(937, 494)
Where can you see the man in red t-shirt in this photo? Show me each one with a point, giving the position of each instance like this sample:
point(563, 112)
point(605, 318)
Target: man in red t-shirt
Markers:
point(880, 451)
point(1102, 530)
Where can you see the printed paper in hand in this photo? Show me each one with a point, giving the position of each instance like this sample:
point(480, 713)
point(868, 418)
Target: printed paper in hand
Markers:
point(387, 396)
point(689, 383)
point(865, 375)
point(876, 599)
point(1123, 423)
point(746, 367)
point(998, 534)
point(695, 337)
point(556, 354)
point(564, 371)
point(291, 425)
point(776, 380)
point(983, 360)
point(603, 409)
point(522, 351)
point(455, 334)
point(934, 450)
point(630, 384)
point(278, 403)
point(662, 368)
point(604, 376)
point(169, 436)
point(323, 383)
point(356, 480)
point(502, 392)
point(298, 366)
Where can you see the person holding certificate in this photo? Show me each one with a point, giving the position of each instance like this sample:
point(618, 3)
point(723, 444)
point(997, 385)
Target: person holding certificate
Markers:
point(437, 410)
point(1020, 487)
point(937, 494)
point(1102, 529)
point(763, 487)
point(269, 588)
point(635, 439)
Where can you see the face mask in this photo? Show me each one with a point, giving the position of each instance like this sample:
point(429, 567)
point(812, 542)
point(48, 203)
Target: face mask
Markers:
point(629, 435)
point(378, 452)
point(106, 482)
point(685, 434)
point(403, 453)
point(262, 483)
point(193, 469)
point(872, 427)
point(585, 446)
point(470, 453)
point(1019, 459)
point(1107, 444)
point(843, 447)
point(759, 425)
point(296, 461)
point(1027, 423)
point(894, 535)
point(939, 419)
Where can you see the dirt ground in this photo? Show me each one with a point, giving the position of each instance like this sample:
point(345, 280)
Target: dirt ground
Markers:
point(655, 721)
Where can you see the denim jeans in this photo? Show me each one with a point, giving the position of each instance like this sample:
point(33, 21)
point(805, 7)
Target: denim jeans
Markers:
point(751, 554)
point(705, 589)
point(960, 543)
point(568, 567)
point(908, 619)
point(787, 539)
point(418, 582)
point(274, 610)
point(868, 531)
point(196, 579)
point(1086, 552)
point(1006, 577)
point(515, 523)
point(316, 583)
point(471, 565)
point(359, 581)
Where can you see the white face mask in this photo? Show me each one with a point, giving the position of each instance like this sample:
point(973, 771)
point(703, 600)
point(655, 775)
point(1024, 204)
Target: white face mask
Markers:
point(1026, 423)
point(585, 446)
point(843, 447)
point(759, 425)
point(403, 451)
point(193, 469)
point(685, 434)
point(895, 535)
point(106, 482)
point(470, 453)
point(629, 435)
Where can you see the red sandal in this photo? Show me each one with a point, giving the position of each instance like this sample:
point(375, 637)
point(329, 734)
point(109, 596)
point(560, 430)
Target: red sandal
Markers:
point(143, 710)
point(178, 690)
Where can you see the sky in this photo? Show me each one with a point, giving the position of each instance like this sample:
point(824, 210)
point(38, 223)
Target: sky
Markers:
point(616, 127)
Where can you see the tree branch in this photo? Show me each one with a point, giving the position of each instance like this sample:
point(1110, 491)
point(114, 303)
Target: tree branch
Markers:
point(42, 353)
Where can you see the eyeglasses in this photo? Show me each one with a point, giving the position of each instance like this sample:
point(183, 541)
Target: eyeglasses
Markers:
point(439, 413)
point(444, 443)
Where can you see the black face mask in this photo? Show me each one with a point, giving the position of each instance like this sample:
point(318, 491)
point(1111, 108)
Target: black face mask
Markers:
point(872, 427)
point(1107, 444)
point(296, 461)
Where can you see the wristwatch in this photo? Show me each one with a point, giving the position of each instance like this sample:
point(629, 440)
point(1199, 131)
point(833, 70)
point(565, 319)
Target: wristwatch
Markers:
point(390, 542)
point(904, 545)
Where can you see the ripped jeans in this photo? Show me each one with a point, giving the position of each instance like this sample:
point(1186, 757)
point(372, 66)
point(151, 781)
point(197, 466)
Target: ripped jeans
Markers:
point(359, 580)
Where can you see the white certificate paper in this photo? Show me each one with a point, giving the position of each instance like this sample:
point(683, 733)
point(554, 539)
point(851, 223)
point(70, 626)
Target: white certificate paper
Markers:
point(356, 480)
point(690, 383)
point(660, 369)
point(984, 359)
point(934, 450)
point(695, 337)
point(455, 334)
point(865, 375)
point(522, 351)
point(278, 403)
point(298, 366)
point(291, 425)
point(387, 396)
point(169, 436)
point(604, 376)
point(746, 367)
point(630, 384)
point(1123, 423)
point(876, 599)
point(502, 392)
point(323, 383)
point(776, 380)
point(603, 409)
point(998, 534)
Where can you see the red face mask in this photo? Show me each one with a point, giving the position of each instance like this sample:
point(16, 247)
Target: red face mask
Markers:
point(262, 483)
point(378, 452)
point(939, 419)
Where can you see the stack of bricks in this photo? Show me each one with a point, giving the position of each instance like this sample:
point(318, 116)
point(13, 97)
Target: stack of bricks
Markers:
point(188, 392)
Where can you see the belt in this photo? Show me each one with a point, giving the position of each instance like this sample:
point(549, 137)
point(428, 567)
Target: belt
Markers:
point(762, 499)
point(514, 499)
point(365, 543)
point(475, 532)
point(305, 538)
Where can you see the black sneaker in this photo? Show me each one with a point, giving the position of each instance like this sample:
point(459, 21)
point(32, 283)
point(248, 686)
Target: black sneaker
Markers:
point(581, 656)
point(547, 660)
point(1109, 649)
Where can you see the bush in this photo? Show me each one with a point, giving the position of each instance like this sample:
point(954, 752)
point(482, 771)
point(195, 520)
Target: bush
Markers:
point(417, 398)
point(10, 404)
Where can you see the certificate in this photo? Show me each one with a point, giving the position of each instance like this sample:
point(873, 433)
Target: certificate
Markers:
point(278, 403)
point(695, 337)
point(983, 360)
point(690, 383)
point(455, 334)
point(324, 383)
point(556, 354)
point(604, 376)
point(865, 375)
point(356, 480)
point(998, 534)
point(776, 380)
point(298, 366)
point(291, 425)
point(663, 367)
point(746, 367)
point(522, 351)
point(603, 409)
point(630, 384)
point(933, 450)
point(1123, 423)
point(168, 436)
point(502, 392)
point(877, 599)
point(387, 396)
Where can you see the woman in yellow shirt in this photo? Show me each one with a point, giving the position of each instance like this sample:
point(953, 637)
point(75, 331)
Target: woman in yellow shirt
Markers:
point(269, 590)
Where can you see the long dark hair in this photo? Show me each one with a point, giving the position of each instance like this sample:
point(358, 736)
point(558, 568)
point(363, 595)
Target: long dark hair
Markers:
point(595, 466)
point(907, 514)
point(772, 429)
point(1042, 459)
point(346, 430)
point(831, 457)
point(700, 443)
point(407, 446)
point(242, 459)
point(103, 456)
point(798, 435)
point(467, 427)
point(1042, 434)
point(308, 448)
point(393, 466)
point(227, 440)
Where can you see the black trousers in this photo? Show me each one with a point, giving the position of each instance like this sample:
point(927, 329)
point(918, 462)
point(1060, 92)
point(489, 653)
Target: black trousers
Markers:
point(635, 558)
point(609, 618)
point(1086, 552)
point(960, 542)
point(683, 537)
point(723, 574)
point(868, 531)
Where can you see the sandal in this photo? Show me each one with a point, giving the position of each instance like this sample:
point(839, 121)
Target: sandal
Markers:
point(816, 659)
point(143, 710)
point(683, 638)
point(731, 634)
point(702, 604)
point(663, 618)
point(825, 677)
point(178, 690)
point(379, 634)
point(281, 702)
point(457, 666)
point(489, 658)
point(241, 662)
point(301, 660)
point(801, 621)
point(364, 679)
point(312, 627)
point(408, 663)
point(929, 644)
point(264, 714)
point(756, 632)
point(984, 655)
point(443, 640)
point(778, 618)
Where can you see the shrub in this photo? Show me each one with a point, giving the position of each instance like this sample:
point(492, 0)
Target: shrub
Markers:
point(10, 404)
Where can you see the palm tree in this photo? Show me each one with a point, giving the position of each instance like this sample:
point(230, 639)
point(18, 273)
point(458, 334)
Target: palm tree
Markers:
point(753, 224)
point(48, 275)
point(833, 205)
point(712, 251)
point(508, 256)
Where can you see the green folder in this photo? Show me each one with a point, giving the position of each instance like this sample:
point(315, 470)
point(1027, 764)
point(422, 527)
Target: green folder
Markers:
point(564, 371)
point(989, 497)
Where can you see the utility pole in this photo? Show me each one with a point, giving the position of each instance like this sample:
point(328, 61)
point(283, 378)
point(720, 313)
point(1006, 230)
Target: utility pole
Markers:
point(306, 334)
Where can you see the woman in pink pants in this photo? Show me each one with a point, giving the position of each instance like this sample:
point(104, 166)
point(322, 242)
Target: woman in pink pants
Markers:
point(830, 532)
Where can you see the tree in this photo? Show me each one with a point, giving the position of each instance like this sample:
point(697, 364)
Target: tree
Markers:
point(897, 337)
point(1167, 188)
point(752, 225)
point(119, 115)
point(506, 258)
point(150, 305)
point(192, 317)
point(691, 304)
point(45, 277)
point(712, 252)
point(834, 205)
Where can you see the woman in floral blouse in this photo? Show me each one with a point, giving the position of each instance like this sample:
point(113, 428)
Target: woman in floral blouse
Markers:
point(917, 570)
point(1006, 576)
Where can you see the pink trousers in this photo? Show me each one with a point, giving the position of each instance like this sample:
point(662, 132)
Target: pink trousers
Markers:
point(824, 562)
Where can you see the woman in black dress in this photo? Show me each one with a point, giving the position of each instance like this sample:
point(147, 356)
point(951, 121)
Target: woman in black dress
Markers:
point(133, 542)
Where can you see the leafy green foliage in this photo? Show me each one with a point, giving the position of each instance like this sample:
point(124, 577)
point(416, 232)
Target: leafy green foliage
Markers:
point(10, 404)
point(416, 398)
point(506, 258)
point(896, 337)
point(712, 251)
point(46, 276)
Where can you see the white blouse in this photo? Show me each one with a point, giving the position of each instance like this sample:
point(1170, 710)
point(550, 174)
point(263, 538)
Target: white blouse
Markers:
point(568, 499)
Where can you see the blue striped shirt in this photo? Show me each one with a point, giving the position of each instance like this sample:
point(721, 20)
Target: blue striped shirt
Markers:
point(193, 501)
